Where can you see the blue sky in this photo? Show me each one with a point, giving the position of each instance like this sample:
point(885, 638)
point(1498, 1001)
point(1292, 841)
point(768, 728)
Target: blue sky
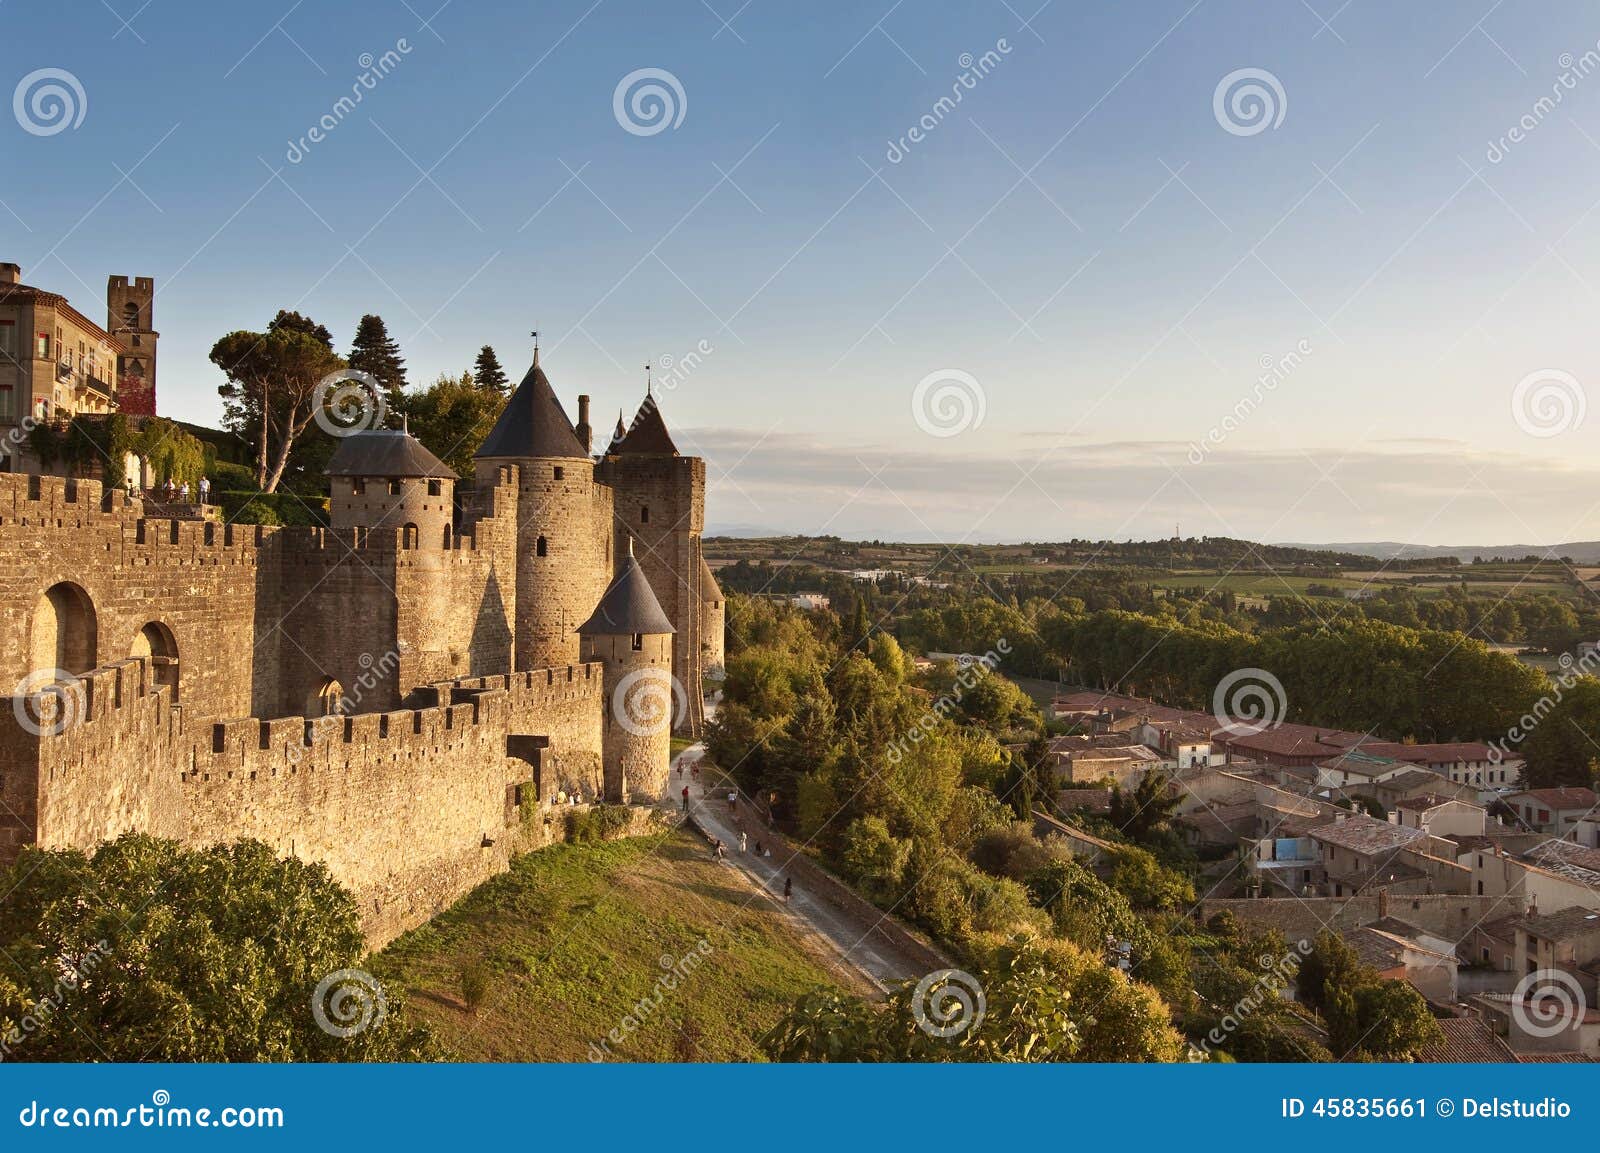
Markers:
point(1106, 263)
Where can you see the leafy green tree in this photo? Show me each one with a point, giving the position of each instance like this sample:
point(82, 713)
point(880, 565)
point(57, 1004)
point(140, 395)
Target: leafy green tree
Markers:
point(1147, 884)
point(376, 353)
point(452, 417)
point(1560, 749)
point(148, 951)
point(1146, 810)
point(270, 392)
point(487, 372)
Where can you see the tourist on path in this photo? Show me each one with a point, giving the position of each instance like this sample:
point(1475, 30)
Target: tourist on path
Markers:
point(686, 798)
point(205, 490)
point(744, 842)
point(788, 889)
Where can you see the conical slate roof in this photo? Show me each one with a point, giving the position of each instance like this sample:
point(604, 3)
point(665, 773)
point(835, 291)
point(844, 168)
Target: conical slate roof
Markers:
point(385, 452)
point(533, 423)
point(629, 606)
point(647, 434)
point(710, 590)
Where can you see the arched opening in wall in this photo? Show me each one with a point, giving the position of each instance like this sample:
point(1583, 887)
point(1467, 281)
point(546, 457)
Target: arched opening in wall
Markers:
point(408, 535)
point(130, 315)
point(644, 515)
point(446, 536)
point(159, 648)
point(542, 548)
point(63, 635)
point(326, 700)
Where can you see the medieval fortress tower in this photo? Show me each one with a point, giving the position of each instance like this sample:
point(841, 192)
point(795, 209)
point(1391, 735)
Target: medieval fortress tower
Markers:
point(405, 696)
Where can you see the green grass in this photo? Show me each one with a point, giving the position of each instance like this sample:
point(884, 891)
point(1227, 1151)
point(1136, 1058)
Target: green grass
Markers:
point(574, 936)
point(678, 744)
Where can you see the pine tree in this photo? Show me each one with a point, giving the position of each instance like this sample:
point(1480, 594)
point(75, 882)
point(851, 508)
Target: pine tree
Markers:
point(375, 352)
point(488, 371)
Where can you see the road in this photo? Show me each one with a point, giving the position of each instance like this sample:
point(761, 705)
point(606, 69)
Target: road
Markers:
point(849, 938)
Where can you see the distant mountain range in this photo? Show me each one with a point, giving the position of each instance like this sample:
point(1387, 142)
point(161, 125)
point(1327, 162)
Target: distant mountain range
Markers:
point(1582, 552)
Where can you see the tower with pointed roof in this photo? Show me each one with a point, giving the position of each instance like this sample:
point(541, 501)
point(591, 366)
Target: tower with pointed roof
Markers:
point(385, 479)
point(564, 539)
point(658, 498)
point(631, 637)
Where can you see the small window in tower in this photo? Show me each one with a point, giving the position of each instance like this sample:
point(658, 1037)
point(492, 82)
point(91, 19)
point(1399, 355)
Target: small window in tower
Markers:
point(434, 488)
point(358, 487)
point(638, 642)
point(560, 472)
point(542, 548)
point(644, 515)
point(394, 487)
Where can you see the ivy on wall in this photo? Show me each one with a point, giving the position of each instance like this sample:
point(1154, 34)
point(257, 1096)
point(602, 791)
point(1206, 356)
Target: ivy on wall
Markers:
point(83, 445)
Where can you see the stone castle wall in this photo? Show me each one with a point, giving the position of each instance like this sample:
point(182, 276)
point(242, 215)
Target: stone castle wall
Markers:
point(443, 760)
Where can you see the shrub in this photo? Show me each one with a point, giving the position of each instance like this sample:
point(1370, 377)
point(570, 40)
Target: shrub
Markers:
point(598, 823)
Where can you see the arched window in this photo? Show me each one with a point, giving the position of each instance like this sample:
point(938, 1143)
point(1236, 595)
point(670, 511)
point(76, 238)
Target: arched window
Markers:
point(326, 700)
point(542, 548)
point(408, 535)
point(159, 648)
point(64, 630)
point(644, 515)
point(130, 315)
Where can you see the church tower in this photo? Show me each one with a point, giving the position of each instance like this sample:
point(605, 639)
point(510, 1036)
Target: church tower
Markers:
point(130, 317)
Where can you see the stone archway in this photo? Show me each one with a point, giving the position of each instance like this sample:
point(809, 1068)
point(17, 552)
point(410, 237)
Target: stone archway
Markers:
point(63, 634)
point(156, 644)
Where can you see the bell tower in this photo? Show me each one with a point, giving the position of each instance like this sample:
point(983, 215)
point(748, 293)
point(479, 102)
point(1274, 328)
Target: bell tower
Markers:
point(130, 317)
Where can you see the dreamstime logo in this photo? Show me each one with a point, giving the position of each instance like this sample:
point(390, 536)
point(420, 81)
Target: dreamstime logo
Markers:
point(71, 972)
point(1573, 672)
point(349, 1001)
point(1573, 69)
point(1248, 101)
point(649, 100)
point(1546, 1001)
point(1548, 403)
point(48, 101)
point(948, 402)
point(348, 401)
point(647, 701)
point(948, 1002)
point(48, 702)
point(1249, 701)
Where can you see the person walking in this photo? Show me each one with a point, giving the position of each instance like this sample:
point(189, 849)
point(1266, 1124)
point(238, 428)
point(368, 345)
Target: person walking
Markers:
point(686, 798)
point(788, 889)
point(744, 842)
point(205, 490)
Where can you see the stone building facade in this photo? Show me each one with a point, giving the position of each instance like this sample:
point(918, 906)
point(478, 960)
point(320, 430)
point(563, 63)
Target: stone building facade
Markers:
point(56, 362)
point(405, 696)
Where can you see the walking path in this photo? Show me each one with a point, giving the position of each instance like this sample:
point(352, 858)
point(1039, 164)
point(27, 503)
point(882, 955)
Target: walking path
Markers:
point(848, 936)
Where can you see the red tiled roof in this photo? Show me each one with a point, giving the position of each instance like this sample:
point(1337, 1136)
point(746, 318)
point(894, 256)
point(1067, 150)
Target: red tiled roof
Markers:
point(1561, 800)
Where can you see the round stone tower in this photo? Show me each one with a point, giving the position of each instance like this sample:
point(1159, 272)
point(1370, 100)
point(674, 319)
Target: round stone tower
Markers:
point(563, 522)
point(713, 619)
point(632, 637)
point(386, 479)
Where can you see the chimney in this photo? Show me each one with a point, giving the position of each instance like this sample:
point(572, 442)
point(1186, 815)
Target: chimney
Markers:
point(585, 433)
point(10, 273)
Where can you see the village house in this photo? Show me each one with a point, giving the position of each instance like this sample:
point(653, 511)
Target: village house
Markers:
point(1554, 811)
point(1441, 816)
point(1361, 852)
point(1078, 760)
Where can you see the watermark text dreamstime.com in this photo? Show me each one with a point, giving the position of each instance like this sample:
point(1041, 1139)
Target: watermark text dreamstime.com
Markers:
point(973, 69)
point(373, 69)
point(1274, 371)
point(1572, 671)
point(71, 974)
point(970, 672)
point(675, 971)
point(1277, 973)
point(1573, 69)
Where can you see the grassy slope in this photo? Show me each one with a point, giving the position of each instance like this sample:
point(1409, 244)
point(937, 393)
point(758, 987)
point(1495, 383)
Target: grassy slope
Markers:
point(574, 936)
